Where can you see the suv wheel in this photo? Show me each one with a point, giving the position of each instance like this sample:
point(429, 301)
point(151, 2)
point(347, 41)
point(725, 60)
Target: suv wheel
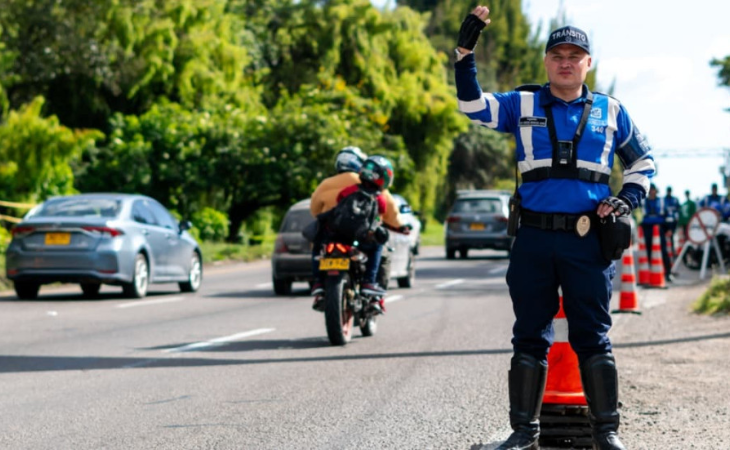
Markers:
point(26, 291)
point(450, 253)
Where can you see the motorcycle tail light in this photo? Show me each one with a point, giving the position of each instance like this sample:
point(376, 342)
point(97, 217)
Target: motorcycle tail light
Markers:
point(342, 248)
point(329, 248)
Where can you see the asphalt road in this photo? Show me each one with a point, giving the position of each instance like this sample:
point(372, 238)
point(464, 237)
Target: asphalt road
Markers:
point(235, 367)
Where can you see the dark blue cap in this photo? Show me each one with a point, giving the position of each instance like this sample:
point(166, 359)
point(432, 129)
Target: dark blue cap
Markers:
point(569, 35)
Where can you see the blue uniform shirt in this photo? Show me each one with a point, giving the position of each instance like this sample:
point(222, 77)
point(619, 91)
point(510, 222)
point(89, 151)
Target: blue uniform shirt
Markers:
point(671, 209)
point(608, 132)
point(654, 211)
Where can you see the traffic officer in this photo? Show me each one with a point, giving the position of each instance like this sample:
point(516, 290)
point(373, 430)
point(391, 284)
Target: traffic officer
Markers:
point(566, 139)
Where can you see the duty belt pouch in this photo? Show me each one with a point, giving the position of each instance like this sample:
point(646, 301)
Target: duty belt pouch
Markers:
point(514, 214)
point(615, 236)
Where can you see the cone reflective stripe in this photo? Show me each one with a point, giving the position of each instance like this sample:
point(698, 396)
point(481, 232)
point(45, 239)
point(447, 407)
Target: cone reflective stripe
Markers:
point(629, 300)
point(656, 276)
point(563, 385)
point(644, 273)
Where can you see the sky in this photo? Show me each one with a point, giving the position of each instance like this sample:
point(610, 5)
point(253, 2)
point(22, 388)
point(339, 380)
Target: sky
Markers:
point(658, 56)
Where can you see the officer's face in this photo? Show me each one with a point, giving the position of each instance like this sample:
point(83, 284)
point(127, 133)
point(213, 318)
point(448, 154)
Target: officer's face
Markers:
point(567, 66)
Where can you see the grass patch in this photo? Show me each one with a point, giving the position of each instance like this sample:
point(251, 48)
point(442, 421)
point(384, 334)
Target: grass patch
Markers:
point(716, 299)
point(433, 234)
point(5, 284)
point(223, 251)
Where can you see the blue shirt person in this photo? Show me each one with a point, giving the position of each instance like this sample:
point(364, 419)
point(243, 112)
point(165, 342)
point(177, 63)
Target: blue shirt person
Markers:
point(566, 138)
point(655, 215)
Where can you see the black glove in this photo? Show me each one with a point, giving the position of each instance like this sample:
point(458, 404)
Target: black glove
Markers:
point(471, 27)
point(620, 206)
point(405, 229)
point(381, 235)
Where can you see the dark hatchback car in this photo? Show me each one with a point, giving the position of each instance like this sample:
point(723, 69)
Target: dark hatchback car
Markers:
point(292, 258)
point(94, 239)
point(478, 220)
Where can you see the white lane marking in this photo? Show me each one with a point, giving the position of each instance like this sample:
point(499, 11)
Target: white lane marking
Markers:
point(497, 438)
point(501, 269)
point(264, 285)
point(220, 340)
point(450, 283)
point(52, 313)
point(393, 298)
point(149, 302)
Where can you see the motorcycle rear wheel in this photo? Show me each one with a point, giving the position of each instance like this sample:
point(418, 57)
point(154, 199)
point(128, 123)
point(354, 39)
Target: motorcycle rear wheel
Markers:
point(338, 316)
point(370, 326)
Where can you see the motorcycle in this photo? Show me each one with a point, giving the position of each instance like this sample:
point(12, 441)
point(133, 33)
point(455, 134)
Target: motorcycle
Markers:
point(345, 305)
point(692, 258)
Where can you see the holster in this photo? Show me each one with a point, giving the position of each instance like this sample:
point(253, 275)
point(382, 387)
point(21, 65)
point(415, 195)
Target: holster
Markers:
point(514, 214)
point(615, 236)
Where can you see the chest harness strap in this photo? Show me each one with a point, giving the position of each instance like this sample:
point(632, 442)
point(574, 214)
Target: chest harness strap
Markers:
point(565, 153)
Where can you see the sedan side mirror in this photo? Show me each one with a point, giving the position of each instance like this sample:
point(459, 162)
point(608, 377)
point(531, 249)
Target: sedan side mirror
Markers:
point(185, 225)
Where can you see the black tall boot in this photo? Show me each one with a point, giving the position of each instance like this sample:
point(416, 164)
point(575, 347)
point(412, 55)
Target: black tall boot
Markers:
point(600, 385)
point(527, 377)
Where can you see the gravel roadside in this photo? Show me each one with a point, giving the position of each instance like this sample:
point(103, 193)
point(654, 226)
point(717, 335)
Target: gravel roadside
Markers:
point(674, 369)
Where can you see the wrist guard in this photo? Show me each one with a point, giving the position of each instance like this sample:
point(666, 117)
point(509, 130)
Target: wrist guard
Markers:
point(620, 206)
point(471, 27)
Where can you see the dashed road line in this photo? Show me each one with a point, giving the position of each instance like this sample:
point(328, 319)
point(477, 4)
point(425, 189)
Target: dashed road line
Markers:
point(218, 341)
point(496, 270)
point(264, 285)
point(149, 302)
point(393, 298)
point(449, 283)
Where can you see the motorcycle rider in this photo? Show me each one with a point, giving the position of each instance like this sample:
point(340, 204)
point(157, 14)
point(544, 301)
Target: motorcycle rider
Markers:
point(376, 175)
point(348, 163)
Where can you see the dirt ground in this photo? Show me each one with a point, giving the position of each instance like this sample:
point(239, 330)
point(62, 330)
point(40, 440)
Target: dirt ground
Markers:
point(674, 370)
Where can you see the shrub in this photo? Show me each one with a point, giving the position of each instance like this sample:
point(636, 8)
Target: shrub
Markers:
point(211, 224)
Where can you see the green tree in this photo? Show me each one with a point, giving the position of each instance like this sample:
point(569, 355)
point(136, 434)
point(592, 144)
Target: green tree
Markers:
point(35, 154)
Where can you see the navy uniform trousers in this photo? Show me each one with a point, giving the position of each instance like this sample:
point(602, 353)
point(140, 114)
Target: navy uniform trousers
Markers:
point(543, 260)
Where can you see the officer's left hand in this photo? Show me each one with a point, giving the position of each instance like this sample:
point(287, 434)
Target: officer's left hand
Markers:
point(614, 205)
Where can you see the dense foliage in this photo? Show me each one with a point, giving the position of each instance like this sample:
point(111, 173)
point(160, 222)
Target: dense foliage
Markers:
point(241, 105)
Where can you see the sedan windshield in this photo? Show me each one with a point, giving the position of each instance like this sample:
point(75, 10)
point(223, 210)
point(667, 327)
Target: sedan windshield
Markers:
point(78, 207)
point(478, 205)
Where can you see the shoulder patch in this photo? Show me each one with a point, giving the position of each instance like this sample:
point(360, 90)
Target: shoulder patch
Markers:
point(529, 87)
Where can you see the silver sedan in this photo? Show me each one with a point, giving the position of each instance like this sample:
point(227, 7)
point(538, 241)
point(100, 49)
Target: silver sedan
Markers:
point(94, 239)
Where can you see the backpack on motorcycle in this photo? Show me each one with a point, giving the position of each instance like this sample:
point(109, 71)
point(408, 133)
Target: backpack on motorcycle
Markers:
point(354, 217)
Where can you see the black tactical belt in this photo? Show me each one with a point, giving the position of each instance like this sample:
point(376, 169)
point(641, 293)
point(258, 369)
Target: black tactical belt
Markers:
point(552, 222)
point(543, 173)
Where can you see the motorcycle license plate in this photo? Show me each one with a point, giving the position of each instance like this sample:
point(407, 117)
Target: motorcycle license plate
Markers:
point(334, 264)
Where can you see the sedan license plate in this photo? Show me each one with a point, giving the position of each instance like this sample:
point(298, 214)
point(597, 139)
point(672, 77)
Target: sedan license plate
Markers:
point(477, 226)
point(58, 238)
point(334, 264)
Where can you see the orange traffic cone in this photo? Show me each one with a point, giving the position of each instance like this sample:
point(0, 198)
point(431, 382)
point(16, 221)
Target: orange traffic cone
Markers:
point(564, 411)
point(629, 300)
point(563, 385)
point(656, 276)
point(644, 273)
